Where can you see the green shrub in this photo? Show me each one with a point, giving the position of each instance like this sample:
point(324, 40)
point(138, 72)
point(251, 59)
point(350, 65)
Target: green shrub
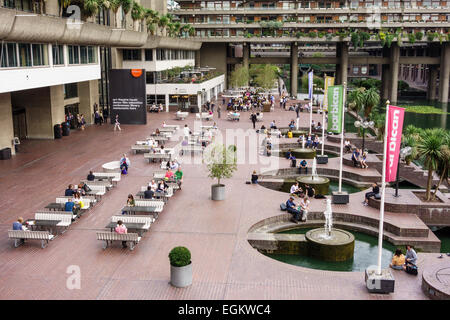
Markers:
point(419, 35)
point(312, 34)
point(180, 257)
point(412, 38)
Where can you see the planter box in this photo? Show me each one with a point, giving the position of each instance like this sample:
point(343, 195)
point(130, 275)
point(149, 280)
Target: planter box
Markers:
point(218, 192)
point(322, 159)
point(383, 283)
point(181, 277)
point(340, 197)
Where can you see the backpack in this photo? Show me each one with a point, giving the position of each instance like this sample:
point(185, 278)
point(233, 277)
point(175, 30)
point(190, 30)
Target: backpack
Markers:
point(124, 171)
point(411, 269)
point(283, 207)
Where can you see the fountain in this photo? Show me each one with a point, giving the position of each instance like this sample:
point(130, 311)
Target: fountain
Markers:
point(328, 243)
point(320, 184)
point(304, 153)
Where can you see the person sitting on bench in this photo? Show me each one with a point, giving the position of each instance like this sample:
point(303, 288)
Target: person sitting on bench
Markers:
point(355, 158)
point(310, 191)
point(121, 229)
point(347, 146)
point(254, 178)
point(291, 208)
point(309, 141)
point(303, 165)
point(18, 225)
point(90, 176)
point(148, 194)
point(293, 161)
point(398, 260)
point(288, 154)
point(124, 163)
point(374, 193)
point(69, 191)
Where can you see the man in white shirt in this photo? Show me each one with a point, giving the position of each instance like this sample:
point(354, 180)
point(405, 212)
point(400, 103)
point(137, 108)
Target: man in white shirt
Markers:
point(186, 131)
point(295, 189)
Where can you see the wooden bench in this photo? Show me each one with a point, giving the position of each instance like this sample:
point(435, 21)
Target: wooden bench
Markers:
point(171, 126)
point(191, 149)
point(64, 218)
point(92, 199)
point(147, 220)
point(97, 191)
point(113, 176)
point(181, 115)
point(150, 203)
point(165, 197)
point(172, 130)
point(204, 115)
point(17, 235)
point(141, 148)
point(233, 117)
point(161, 156)
point(74, 216)
point(107, 184)
point(108, 238)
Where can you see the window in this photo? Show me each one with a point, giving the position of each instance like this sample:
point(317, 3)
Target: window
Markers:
point(58, 54)
point(92, 54)
point(83, 55)
point(148, 54)
point(8, 55)
point(25, 55)
point(70, 90)
point(160, 54)
point(74, 54)
point(150, 77)
point(131, 54)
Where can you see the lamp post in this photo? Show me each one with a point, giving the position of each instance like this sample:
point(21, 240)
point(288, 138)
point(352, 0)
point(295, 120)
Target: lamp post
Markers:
point(404, 152)
point(364, 125)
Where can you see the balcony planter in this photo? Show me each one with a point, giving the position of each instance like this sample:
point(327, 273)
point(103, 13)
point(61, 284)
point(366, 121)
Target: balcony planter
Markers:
point(180, 267)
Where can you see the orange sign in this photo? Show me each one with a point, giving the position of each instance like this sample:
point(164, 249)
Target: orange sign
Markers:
point(136, 73)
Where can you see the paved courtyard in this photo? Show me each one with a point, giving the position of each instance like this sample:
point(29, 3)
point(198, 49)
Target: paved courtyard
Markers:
point(225, 265)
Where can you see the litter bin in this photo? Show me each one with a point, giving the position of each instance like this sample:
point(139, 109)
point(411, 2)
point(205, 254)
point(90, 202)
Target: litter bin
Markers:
point(65, 129)
point(57, 131)
point(5, 154)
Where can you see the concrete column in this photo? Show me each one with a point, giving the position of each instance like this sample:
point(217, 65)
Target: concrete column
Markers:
point(444, 75)
point(385, 77)
point(394, 67)
point(197, 58)
point(246, 55)
point(199, 102)
point(294, 69)
point(6, 122)
point(432, 82)
point(337, 75)
point(57, 104)
point(88, 93)
point(343, 63)
point(167, 102)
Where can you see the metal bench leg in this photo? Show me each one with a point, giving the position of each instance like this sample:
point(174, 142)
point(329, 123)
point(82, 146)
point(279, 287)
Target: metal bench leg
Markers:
point(18, 242)
point(43, 244)
point(105, 244)
point(131, 246)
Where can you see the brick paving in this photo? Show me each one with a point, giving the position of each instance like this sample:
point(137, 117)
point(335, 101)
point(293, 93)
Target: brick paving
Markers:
point(225, 265)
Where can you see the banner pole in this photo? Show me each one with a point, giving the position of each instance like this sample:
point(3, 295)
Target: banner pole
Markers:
point(323, 127)
point(383, 191)
point(342, 137)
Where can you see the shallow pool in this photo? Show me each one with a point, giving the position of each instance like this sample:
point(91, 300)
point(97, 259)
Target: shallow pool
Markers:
point(366, 254)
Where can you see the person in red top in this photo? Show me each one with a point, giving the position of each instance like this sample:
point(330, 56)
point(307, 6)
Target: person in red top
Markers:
point(121, 229)
point(169, 174)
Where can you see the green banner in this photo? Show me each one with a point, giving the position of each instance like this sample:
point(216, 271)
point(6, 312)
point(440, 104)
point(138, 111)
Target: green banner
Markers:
point(335, 108)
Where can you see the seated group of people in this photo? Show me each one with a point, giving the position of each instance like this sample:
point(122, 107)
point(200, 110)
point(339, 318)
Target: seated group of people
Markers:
point(299, 212)
point(124, 164)
point(311, 141)
point(401, 262)
point(358, 159)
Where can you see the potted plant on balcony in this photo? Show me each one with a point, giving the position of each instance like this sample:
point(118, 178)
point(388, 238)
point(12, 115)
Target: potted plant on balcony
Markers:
point(180, 267)
point(221, 163)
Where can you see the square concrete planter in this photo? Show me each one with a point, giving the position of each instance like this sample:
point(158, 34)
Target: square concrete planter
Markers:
point(322, 159)
point(383, 283)
point(340, 197)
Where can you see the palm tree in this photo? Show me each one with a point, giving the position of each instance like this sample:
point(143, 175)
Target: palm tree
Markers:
point(191, 31)
point(163, 22)
point(90, 8)
point(115, 6)
point(356, 99)
point(137, 14)
point(371, 99)
point(151, 20)
point(126, 7)
point(410, 140)
point(429, 149)
point(62, 5)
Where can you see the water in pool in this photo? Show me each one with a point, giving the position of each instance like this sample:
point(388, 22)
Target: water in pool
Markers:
point(366, 253)
point(444, 235)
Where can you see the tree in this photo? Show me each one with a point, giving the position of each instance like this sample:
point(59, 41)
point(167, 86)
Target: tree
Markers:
point(221, 161)
point(115, 6)
point(239, 77)
point(163, 22)
point(151, 20)
point(429, 149)
point(371, 99)
point(266, 78)
point(137, 14)
point(356, 99)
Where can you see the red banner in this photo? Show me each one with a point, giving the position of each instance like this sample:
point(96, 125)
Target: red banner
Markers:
point(394, 138)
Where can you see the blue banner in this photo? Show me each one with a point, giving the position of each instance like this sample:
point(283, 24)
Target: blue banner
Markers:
point(310, 85)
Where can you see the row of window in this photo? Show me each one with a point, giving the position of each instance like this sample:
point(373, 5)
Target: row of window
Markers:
point(13, 55)
point(161, 54)
point(230, 5)
point(225, 19)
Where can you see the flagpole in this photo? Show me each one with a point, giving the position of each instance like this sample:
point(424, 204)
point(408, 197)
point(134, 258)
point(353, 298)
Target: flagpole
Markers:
point(342, 137)
point(311, 95)
point(383, 191)
point(323, 128)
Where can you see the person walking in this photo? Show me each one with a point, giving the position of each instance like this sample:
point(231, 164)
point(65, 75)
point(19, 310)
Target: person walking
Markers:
point(218, 111)
point(117, 123)
point(253, 118)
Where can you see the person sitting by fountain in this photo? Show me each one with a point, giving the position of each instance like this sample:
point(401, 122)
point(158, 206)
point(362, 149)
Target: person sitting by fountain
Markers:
point(362, 162)
point(290, 134)
point(254, 178)
point(347, 146)
point(304, 207)
point(288, 154)
point(355, 157)
point(291, 208)
point(296, 190)
point(309, 141)
point(268, 150)
point(398, 260)
point(319, 126)
point(374, 193)
point(292, 125)
point(303, 165)
point(310, 191)
point(293, 161)
point(273, 125)
point(315, 144)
